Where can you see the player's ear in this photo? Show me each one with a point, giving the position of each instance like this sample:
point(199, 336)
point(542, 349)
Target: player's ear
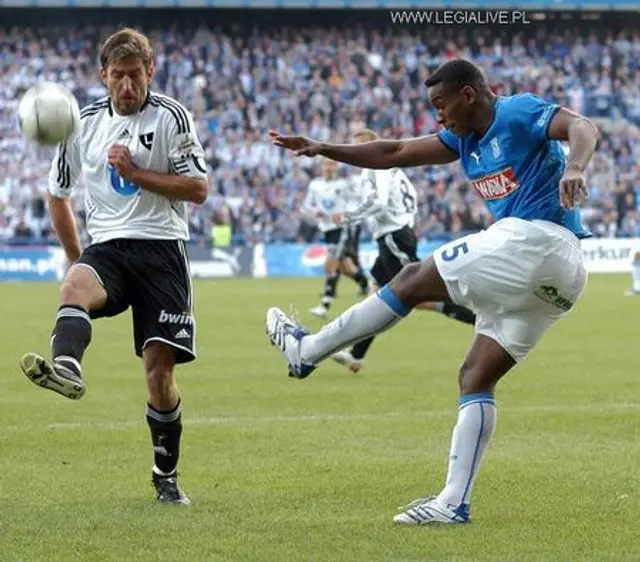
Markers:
point(103, 76)
point(151, 71)
point(468, 93)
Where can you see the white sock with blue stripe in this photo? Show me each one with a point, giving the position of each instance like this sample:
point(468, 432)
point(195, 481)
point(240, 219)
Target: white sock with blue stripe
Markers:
point(373, 315)
point(471, 436)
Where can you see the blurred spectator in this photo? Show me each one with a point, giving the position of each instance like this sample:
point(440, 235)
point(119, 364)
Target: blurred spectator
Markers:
point(326, 81)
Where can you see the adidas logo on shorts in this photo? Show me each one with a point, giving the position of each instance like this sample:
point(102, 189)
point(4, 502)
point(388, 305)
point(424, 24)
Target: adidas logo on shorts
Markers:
point(182, 334)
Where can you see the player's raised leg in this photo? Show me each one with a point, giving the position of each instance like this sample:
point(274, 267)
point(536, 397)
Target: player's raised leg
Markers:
point(81, 292)
point(416, 283)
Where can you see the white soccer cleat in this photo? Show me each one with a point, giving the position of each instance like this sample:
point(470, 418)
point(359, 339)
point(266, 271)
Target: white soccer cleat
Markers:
point(345, 358)
point(631, 293)
point(319, 311)
point(287, 334)
point(52, 376)
point(424, 511)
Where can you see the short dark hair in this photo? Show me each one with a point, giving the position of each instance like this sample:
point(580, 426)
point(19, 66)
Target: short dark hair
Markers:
point(458, 73)
point(124, 43)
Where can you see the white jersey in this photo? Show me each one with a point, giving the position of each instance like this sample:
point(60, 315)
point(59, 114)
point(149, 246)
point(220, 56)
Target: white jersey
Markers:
point(328, 197)
point(161, 137)
point(389, 202)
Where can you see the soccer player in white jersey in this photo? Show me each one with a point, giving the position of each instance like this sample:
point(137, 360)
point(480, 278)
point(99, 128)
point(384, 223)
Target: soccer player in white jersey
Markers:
point(389, 203)
point(140, 161)
point(326, 197)
point(520, 276)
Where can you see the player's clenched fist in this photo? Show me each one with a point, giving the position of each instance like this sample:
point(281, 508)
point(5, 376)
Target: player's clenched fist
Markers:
point(300, 146)
point(120, 159)
point(573, 189)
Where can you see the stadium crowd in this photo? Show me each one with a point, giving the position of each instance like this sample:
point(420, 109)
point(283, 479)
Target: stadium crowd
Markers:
point(327, 82)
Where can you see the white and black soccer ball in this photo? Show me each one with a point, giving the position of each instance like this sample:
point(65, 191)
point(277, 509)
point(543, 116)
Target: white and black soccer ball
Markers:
point(48, 114)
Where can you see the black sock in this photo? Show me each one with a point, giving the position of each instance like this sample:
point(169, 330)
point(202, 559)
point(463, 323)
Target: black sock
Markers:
point(359, 350)
point(361, 279)
point(166, 429)
point(330, 284)
point(458, 312)
point(71, 336)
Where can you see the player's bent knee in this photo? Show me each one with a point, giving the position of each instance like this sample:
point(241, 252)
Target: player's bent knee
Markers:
point(82, 288)
point(636, 257)
point(419, 282)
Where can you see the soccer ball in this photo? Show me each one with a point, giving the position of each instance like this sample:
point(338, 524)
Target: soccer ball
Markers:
point(48, 114)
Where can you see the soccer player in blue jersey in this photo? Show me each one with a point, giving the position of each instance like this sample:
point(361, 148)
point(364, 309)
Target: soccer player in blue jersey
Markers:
point(519, 276)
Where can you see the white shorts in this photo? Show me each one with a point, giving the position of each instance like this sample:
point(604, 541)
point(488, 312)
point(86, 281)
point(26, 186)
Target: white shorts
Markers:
point(518, 276)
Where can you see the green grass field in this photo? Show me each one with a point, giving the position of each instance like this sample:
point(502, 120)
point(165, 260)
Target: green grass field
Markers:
point(285, 470)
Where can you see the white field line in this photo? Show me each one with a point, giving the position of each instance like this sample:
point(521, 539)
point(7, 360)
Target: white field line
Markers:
point(261, 421)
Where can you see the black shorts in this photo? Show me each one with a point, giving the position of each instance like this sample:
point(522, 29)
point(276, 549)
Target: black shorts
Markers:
point(343, 242)
point(395, 250)
point(152, 277)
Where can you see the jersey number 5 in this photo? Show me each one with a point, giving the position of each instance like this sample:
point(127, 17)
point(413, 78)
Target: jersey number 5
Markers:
point(407, 198)
point(453, 252)
point(120, 185)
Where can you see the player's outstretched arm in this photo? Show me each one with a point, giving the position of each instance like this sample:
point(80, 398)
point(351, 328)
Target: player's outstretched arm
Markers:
point(375, 155)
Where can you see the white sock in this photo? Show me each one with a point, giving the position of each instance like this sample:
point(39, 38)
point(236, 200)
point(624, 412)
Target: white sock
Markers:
point(373, 315)
point(471, 436)
point(635, 274)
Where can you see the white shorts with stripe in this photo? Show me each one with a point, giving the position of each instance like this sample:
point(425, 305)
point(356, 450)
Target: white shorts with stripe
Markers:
point(518, 276)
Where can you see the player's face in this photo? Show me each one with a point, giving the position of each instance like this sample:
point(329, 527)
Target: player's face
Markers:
point(128, 83)
point(454, 107)
point(330, 169)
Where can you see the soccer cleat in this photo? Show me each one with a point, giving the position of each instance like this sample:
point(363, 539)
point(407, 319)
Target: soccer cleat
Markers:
point(424, 511)
point(631, 293)
point(287, 334)
point(168, 490)
point(345, 358)
point(319, 311)
point(52, 375)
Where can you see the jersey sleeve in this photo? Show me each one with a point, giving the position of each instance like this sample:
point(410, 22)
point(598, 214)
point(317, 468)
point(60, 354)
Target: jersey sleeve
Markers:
point(447, 138)
point(533, 115)
point(309, 204)
point(65, 169)
point(186, 155)
point(374, 195)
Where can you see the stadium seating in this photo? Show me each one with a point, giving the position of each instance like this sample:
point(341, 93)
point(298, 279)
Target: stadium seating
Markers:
point(326, 82)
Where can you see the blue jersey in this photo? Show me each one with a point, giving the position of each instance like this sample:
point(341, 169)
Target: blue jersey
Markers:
point(515, 167)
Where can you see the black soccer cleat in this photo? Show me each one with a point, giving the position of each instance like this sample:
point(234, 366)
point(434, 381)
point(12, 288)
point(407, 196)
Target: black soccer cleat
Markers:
point(52, 375)
point(168, 490)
